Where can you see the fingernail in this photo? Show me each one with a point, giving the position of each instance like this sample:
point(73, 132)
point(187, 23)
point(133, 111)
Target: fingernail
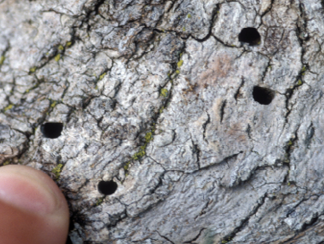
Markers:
point(27, 189)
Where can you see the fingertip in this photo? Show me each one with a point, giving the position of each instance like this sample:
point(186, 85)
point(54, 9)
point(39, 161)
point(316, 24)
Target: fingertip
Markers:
point(38, 203)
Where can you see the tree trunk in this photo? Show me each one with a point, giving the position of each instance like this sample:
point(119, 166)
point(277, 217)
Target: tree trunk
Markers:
point(175, 121)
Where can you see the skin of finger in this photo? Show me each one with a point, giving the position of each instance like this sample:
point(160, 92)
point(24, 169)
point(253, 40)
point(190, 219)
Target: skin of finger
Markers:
point(20, 226)
point(17, 226)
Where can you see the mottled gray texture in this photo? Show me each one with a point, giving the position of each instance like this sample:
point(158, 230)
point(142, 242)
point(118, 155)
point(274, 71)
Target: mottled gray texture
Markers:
point(158, 96)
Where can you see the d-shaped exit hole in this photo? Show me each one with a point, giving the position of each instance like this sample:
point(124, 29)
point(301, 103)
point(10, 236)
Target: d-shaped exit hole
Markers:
point(107, 187)
point(250, 35)
point(52, 129)
point(263, 95)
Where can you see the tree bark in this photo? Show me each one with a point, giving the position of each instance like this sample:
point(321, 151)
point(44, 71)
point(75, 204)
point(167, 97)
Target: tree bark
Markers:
point(175, 121)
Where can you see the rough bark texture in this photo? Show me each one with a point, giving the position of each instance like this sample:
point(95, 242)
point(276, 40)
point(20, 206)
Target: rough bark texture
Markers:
point(165, 100)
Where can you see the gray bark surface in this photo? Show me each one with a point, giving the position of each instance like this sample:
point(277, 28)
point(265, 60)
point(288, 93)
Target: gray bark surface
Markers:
point(158, 96)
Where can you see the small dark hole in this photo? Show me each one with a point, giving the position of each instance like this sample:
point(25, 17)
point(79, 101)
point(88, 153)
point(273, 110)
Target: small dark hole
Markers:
point(107, 187)
point(263, 95)
point(52, 129)
point(250, 35)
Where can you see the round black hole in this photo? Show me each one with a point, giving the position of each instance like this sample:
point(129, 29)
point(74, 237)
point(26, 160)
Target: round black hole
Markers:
point(263, 95)
point(250, 35)
point(107, 187)
point(52, 129)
